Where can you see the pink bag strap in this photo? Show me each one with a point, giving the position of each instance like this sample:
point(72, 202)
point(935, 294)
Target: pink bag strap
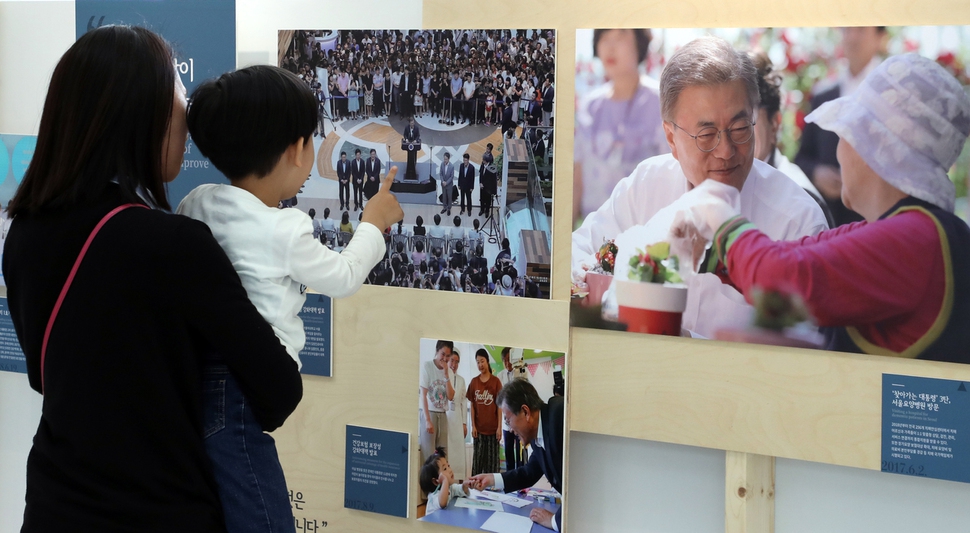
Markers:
point(70, 278)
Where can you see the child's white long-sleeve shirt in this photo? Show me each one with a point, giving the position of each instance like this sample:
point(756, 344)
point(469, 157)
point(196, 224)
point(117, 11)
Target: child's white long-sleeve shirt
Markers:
point(277, 258)
point(455, 491)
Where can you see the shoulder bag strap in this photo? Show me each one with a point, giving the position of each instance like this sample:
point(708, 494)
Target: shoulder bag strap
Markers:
point(70, 278)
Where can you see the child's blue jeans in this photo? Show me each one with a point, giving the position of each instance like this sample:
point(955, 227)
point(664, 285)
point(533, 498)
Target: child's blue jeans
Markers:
point(244, 459)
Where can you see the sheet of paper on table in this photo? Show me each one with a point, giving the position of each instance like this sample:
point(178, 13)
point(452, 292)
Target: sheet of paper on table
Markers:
point(507, 499)
point(507, 523)
point(479, 504)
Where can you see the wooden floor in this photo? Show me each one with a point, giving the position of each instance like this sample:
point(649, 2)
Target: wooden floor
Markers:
point(324, 165)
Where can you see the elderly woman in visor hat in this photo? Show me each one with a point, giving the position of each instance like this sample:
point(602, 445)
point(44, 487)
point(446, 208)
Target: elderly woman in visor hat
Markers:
point(897, 283)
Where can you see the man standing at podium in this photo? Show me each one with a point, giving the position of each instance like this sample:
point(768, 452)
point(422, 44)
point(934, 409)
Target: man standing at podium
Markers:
point(412, 136)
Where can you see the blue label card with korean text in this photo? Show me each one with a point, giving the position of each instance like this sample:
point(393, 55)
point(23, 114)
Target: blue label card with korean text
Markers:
point(926, 427)
point(376, 471)
point(11, 356)
point(203, 36)
point(317, 316)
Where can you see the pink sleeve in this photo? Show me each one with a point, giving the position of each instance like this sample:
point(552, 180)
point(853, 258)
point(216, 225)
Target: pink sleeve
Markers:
point(856, 274)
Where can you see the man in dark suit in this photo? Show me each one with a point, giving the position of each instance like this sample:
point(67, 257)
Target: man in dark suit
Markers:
point(343, 179)
point(487, 181)
point(407, 92)
point(540, 425)
point(466, 182)
point(548, 94)
point(373, 171)
point(357, 177)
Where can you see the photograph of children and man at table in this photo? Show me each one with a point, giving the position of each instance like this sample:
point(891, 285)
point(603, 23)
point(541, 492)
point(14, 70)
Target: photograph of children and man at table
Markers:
point(465, 116)
point(491, 433)
point(786, 186)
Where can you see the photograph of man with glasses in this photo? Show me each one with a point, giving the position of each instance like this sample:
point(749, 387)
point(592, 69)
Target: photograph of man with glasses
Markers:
point(709, 101)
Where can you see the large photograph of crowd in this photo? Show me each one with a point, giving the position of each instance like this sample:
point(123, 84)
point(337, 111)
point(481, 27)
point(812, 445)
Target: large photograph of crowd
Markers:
point(786, 186)
point(466, 118)
point(491, 429)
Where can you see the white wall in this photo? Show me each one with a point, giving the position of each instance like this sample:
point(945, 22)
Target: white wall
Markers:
point(650, 487)
point(631, 486)
point(33, 36)
point(812, 497)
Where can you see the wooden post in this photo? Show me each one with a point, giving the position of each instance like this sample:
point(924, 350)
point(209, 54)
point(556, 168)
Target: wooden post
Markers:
point(749, 505)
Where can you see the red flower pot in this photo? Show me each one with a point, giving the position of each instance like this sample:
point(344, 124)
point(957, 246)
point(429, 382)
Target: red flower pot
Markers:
point(651, 307)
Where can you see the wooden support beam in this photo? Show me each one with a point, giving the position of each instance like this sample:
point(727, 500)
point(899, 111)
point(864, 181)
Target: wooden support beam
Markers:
point(749, 505)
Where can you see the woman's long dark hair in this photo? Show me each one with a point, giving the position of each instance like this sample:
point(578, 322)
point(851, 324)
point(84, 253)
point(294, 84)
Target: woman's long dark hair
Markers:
point(105, 119)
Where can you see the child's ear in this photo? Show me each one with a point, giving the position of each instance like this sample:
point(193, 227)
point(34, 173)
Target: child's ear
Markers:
point(295, 151)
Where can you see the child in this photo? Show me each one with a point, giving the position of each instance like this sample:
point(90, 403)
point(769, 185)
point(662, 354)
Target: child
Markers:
point(255, 125)
point(435, 475)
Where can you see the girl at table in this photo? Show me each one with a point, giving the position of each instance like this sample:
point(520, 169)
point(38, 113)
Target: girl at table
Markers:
point(896, 283)
point(437, 480)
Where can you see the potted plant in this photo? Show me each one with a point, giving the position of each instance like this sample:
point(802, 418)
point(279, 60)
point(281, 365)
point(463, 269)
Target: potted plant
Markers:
point(599, 277)
point(654, 298)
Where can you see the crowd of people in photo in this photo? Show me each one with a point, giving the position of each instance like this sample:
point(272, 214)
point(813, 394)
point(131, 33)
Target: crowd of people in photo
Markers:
point(487, 77)
point(496, 78)
point(435, 257)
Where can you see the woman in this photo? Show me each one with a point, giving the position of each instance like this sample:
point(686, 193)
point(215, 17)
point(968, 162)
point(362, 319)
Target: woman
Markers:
point(426, 87)
point(378, 97)
point(895, 284)
point(120, 440)
point(388, 93)
point(353, 103)
point(368, 82)
point(345, 225)
point(618, 125)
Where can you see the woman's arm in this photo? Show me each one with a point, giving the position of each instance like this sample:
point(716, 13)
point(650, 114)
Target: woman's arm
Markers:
point(859, 274)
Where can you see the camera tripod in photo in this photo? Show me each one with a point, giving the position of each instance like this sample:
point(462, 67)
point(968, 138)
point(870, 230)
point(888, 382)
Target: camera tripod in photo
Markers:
point(490, 226)
point(323, 116)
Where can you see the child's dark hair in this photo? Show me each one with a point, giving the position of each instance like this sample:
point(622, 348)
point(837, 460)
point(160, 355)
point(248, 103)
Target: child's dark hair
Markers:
point(428, 478)
point(244, 120)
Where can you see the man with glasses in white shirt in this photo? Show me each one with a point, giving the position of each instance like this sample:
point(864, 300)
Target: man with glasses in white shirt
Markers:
point(708, 99)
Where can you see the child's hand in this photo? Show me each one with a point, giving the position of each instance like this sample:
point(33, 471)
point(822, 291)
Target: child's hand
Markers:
point(383, 210)
point(442, 479)
point(467, 485)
